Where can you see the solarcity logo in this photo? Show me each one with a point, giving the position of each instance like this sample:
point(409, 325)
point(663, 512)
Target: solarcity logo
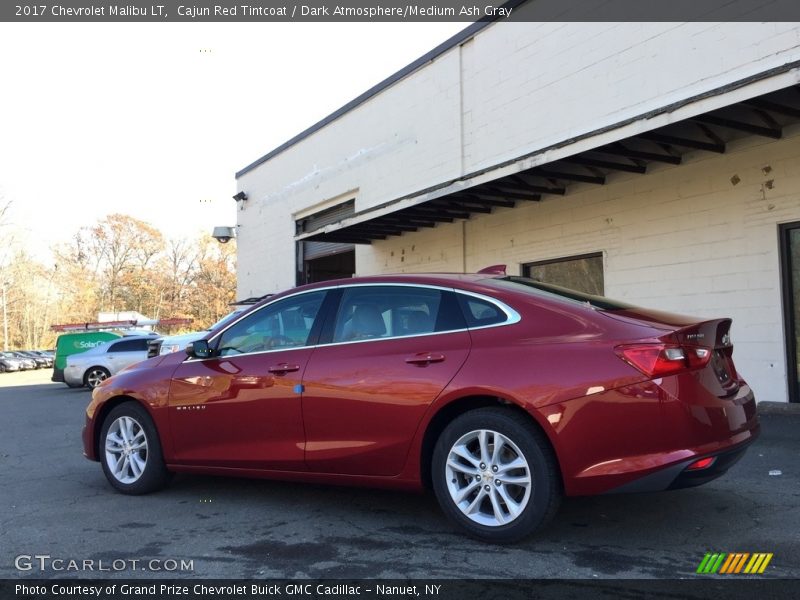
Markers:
point(734, 563)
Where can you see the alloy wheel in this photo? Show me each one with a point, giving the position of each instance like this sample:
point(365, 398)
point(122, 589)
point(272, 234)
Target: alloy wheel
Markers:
point(488, 477)
point(126, 449)
point(95, 377)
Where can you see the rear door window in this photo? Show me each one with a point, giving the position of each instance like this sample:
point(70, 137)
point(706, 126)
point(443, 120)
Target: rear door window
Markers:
point(385, 311)
point(129, 346)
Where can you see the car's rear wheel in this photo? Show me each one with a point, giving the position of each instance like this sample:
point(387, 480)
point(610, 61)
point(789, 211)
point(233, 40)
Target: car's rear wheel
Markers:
point(130, 451)
point(95, 376)
point(495, 475)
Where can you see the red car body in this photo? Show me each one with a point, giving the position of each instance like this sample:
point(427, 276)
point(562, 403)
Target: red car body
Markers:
point(594, 377)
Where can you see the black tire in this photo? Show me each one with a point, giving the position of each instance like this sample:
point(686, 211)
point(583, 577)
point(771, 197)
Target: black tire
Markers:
point(152, 473)
point(94, 376)
point(535, 503)
point(2, 368)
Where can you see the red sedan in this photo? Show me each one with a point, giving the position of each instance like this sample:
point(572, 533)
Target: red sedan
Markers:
point(500, 393)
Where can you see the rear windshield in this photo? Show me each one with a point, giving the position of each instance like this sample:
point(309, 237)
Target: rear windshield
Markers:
point(537, 288)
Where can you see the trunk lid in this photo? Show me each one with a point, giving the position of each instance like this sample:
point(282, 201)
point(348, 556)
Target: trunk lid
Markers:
point(695, 336)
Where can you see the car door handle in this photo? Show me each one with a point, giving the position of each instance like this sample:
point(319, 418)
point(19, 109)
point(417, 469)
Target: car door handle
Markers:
point(425, 358)
point(283, 368)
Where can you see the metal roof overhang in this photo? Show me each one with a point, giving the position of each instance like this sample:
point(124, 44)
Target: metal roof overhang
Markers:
point(762, 105)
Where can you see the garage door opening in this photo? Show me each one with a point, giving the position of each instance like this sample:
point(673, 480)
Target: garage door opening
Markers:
point(322, 261)
point(332, 266)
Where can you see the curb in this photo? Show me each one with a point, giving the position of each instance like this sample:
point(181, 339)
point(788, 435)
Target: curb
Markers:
point(778, 408)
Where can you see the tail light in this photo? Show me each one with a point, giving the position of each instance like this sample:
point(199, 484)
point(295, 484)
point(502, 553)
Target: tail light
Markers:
point(703, 463)
point(659, 360)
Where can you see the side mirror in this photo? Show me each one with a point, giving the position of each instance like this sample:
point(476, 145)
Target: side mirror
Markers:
point(199, 349)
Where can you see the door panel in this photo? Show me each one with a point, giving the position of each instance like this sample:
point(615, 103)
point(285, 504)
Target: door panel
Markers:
point(362, 402)
point(242, 408)
point(366, 393)
point(232, 411)
point(120, 360)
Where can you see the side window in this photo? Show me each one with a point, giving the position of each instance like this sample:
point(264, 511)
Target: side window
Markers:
point(583, 273)
point(372, 312)
point(479, 312)
point(128, 346)
point(284, 324)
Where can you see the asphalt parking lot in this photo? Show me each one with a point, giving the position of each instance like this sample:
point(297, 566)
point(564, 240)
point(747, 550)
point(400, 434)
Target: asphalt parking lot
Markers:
point(54, 502)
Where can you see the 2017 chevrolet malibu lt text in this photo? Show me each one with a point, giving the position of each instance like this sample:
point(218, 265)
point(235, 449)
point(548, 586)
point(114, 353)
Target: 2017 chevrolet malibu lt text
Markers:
point(500, 393)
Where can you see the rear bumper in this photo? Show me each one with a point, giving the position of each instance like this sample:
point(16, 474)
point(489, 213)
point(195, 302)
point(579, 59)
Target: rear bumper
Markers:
point(680, 476)
point(73, 376)
point(722, 462)
point(642, 438)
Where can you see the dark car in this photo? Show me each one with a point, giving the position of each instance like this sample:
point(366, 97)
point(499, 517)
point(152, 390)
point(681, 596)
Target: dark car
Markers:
point(500, 393)
point(41, 361)
point(48, 358)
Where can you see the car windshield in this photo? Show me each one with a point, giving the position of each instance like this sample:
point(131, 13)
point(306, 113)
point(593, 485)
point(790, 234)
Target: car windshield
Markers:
point(531, 286)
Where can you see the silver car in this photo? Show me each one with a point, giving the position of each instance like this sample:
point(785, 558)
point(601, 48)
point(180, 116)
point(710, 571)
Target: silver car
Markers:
point(8, 363)
point(92, 367)
point(176, 343)
point(24, 363)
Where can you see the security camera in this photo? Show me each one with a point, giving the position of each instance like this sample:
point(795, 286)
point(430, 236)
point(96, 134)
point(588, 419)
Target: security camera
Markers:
point(224, 234)
point(240, 196)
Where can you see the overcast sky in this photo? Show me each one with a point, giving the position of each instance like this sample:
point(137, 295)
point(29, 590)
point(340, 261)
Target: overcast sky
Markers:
point(153, 120)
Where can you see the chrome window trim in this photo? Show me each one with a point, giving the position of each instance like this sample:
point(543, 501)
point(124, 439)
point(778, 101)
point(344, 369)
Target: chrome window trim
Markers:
point(512, 318)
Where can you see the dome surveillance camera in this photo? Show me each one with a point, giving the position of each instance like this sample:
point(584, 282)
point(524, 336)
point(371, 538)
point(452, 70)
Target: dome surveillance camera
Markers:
point(224, 234)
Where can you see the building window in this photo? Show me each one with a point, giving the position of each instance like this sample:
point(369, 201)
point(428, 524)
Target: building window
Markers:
point(583, 273)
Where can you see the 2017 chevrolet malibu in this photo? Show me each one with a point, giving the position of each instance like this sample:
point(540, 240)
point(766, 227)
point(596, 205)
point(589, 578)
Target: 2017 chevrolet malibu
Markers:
point(500, 393)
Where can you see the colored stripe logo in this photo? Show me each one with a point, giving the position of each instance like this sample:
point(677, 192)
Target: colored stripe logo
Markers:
point(734, 563)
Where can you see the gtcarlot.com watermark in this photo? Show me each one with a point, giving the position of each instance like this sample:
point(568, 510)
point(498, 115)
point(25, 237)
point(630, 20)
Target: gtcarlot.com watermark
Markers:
point(47, 563)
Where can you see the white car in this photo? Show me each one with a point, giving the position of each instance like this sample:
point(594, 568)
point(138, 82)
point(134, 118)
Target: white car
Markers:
point(92, 367)
point(174, 343)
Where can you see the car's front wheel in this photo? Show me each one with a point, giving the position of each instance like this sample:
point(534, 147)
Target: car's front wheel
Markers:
point(495, 475)
point(130, 451)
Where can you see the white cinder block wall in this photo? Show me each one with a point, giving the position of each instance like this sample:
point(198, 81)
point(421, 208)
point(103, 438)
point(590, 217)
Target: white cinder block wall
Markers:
point(680, 238)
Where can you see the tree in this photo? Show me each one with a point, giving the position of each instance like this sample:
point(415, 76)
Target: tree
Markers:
point(215, 282)
point(118, 264)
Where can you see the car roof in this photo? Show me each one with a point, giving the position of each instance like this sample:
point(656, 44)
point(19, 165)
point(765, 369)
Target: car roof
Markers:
point(128, 338)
